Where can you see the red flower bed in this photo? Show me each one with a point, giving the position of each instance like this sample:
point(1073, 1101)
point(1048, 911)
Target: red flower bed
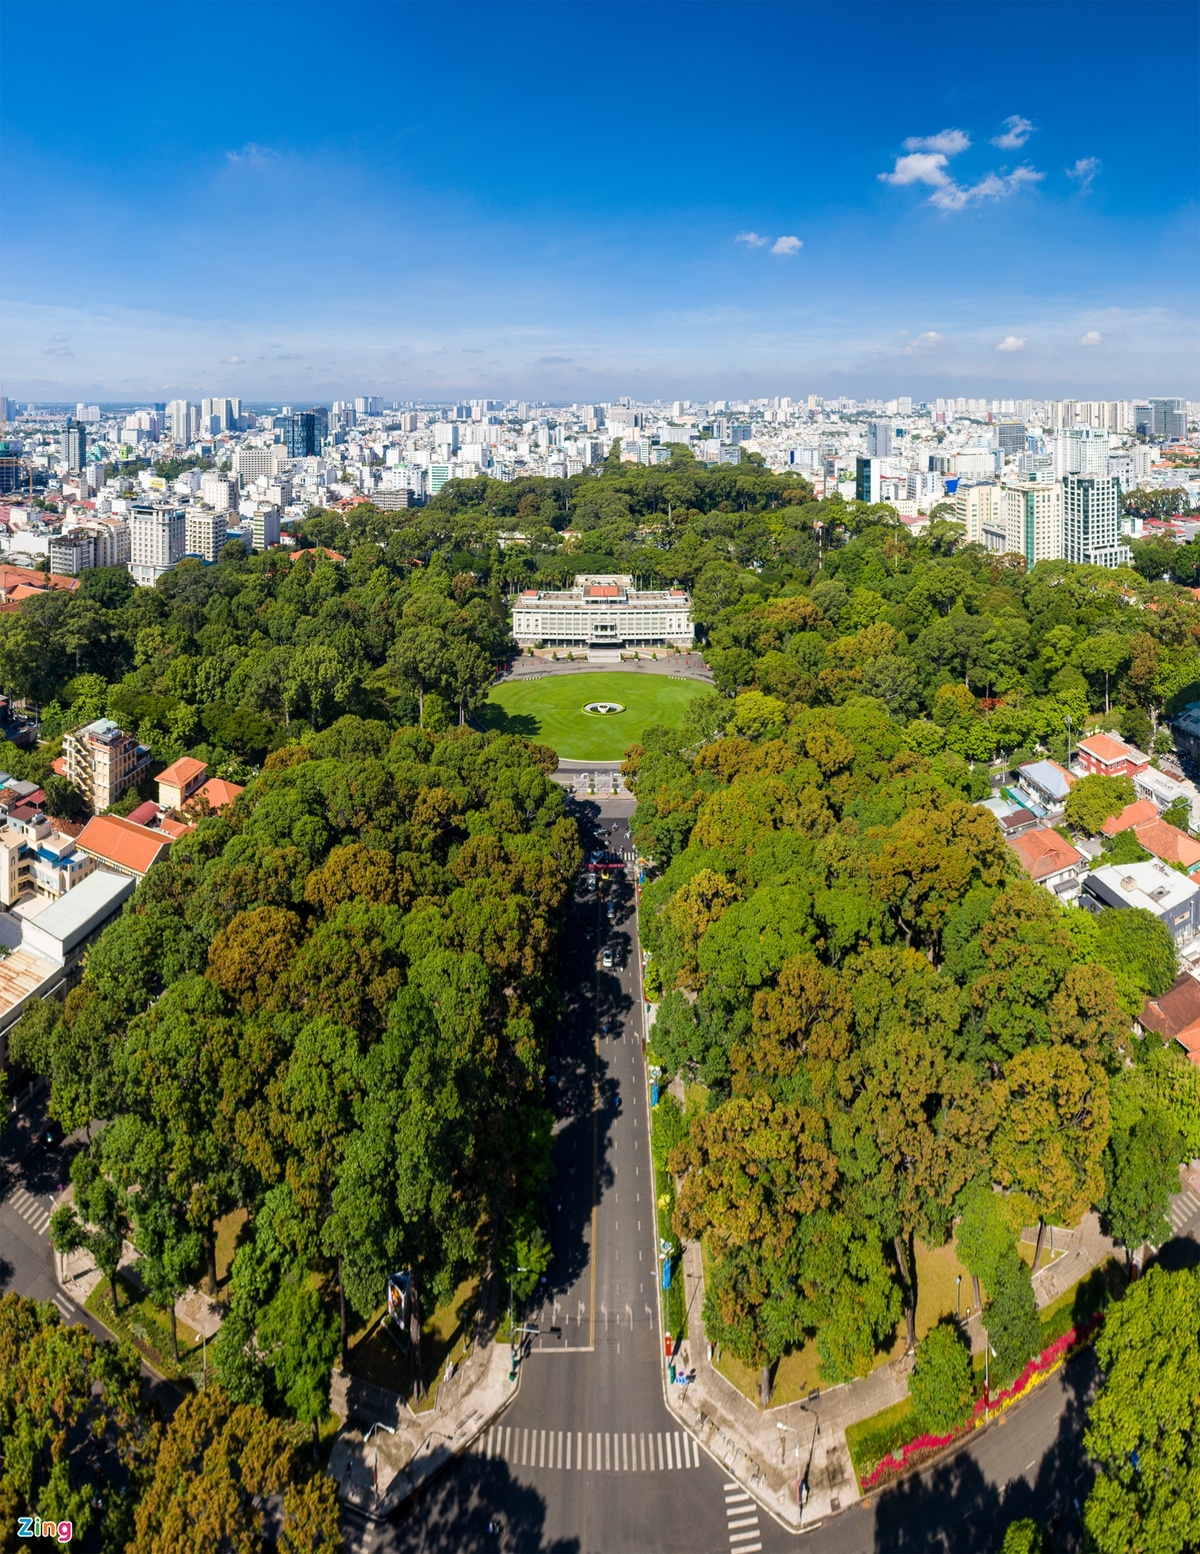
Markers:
point(893, 1465)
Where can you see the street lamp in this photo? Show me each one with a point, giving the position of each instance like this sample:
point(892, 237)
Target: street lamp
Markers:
point(958, 1297)
point(987, 1384)
point(512, 1332)
point(791, 1430)
point(374, 1431)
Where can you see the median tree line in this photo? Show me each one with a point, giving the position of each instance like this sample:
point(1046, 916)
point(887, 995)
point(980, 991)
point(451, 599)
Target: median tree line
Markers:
point(898, 1032)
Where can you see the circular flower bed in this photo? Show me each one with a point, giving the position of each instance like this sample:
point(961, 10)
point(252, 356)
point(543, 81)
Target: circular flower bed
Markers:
point(603, 709)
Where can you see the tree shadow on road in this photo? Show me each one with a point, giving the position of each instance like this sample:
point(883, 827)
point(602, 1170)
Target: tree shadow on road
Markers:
point(451, 1516)
point(954, 1506)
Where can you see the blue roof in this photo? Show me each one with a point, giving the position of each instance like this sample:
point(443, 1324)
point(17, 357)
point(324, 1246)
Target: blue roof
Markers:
point(1048, 776)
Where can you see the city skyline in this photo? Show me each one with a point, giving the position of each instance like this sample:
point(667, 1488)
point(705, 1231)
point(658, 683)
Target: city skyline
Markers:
point(875, 224)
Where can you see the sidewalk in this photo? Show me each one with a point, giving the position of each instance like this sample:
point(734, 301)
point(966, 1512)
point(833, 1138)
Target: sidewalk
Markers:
point(758, 1447)
point(385, 1452)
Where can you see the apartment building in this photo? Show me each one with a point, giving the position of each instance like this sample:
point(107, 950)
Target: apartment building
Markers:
point(103, 762)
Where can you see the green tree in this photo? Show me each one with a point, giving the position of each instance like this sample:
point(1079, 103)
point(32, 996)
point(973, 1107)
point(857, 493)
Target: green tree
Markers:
point(1104, 653)
point(942, 1384)
point(1011, 1320)
point(98, 1220)
point(1025, 1536)
point(1144, 1424)
point(988, 1226)
point(1093, 800)
point(219, 1467)
point(1141, 1169)
point(299, 1336)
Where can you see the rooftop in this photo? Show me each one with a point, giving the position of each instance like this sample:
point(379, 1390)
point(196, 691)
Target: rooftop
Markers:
point(1153, 886)
point(1169, 843)
point(181, 772)
point(121, 842)
point(1105, 748)
point(1175, 1009)
point(1043, 852)
point(1048, 776)
point(72, 916)
point(1135, 814)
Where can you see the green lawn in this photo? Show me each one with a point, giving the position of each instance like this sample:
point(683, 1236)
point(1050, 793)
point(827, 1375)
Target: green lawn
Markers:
point(551, 710)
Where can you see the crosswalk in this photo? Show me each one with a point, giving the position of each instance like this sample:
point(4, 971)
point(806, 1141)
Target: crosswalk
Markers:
point(32, 1210)
point(591, 1451)
point(1182, 1208)
point(741, 1516)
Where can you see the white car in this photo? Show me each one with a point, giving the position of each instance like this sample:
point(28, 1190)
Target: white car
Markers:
point(606, 960)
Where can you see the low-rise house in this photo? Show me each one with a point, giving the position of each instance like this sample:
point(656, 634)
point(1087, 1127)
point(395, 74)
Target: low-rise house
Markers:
point(1172, 897)
point(1012, 818)
point(217, 793)
point(1046, 783)
point(121, 845)
point(1051, 861)
point(1161, 789)
point(178, 782)
point(1101, 755)
point(1176, 1015)
point(1136, 814)
point(1170, 844)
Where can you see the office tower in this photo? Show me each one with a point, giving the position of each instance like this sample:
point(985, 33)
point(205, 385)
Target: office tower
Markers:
point(1010, 437)
point(368, 404)
point(868, 479)
point(72, 446)
point(879, 439)
point(204, 533)
point(1033, 520)
point(1091, 507)
point(445, 437)
point(300, 435)
point(12, 467)
point(157, 541)
point(905, 404)
point(1168, 418)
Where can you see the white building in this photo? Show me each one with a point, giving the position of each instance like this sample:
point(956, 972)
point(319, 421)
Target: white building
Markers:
point(111, 541)
point(978, 507)
point(1092, 521)
point(205, 533)
point(72, 553)
point(264, 525)
point(1080, 450)
point(157, 541)
point(1033, 520)
point(603, 611)
point(182, 420)
point(218, 493)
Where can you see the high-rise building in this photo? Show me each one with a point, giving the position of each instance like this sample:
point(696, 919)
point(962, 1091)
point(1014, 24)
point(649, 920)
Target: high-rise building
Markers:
point(110, 541)
point(1091, 507)
point(977, 507)
point(301, 434)
point(879, 439)
point(1080, 450)
point(72, 553)
point(1010, 437)
point(868, 479)
point(88, 415)
point(157, 541)
point(72, 446)
point(368, 404)
point(1033, 520)
point(264, 525)
point(219, 493)
point(183, 420)
point(1168, 418)
point(205, 533)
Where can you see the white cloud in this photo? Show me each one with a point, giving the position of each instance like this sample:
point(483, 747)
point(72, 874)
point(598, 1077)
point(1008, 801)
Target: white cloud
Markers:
point(920, 167)
point(786, 245)
point(60, 338)
point(993, 186)
point(1084, 171)
point(1093, 337)
point(252, 155)
point(949, 142)
point(752, 239)
point(1017, 131)
point(1012, 343)
point(924, 342)
point(231, 361)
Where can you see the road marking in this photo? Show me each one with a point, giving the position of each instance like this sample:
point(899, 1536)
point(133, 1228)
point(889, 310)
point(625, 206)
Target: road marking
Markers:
point(63, 1305)
point(741, 1517)
point(1183, 1208)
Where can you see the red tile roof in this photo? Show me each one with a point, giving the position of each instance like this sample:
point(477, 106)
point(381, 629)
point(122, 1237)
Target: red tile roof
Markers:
point(12, 577)
point(1169, 843)
point(1135, 814)
point(118, 841)
point(217, 792)
point(181, 772)
point(1043, 852)
point(1105, 748)
point(1176, 1009)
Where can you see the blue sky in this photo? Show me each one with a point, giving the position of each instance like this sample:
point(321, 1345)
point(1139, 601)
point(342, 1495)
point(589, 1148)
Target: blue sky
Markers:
point(571, 202)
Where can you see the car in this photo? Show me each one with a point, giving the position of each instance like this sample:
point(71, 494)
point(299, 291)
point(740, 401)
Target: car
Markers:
point(591, 883)
point(611, 910)
point(607, 960)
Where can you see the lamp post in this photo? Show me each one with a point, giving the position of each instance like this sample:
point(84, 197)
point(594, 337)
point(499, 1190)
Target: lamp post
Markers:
point(958, 1297)
point(791, 1430)
point(374, 1431)
point(512, 1332)
point(987, 1384)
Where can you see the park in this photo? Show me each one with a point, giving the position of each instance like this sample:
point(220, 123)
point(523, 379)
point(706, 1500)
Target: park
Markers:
point(559, 709)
